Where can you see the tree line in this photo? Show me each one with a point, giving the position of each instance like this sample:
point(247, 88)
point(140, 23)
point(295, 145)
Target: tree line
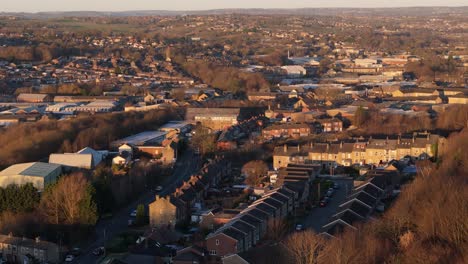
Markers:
point(31, 142)
point(226, 78)
point(370, 121)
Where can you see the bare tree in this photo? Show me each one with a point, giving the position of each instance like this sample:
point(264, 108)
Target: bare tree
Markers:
point(305, 247)
point(255, 172)
point(61, 203)
point(277, 229)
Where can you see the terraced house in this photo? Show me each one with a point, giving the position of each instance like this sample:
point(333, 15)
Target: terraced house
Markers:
point(286, 130)
point(360, 151)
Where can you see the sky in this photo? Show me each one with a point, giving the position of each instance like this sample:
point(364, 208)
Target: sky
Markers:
point(132, 5)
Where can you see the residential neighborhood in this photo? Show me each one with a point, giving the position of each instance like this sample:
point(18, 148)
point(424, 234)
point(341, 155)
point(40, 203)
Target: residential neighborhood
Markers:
point(234, 136)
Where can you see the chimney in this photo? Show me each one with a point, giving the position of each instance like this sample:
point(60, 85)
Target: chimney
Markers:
point(413, 139)
point(157, 197)
point(311, 144)
point(285, 148)
point(298, 147)
point(10, 234)
point(328, 146)
point(399, 139)
point(341, 144)
point(38, 239)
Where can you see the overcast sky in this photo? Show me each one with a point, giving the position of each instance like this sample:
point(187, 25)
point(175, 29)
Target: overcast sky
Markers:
point(126, 5)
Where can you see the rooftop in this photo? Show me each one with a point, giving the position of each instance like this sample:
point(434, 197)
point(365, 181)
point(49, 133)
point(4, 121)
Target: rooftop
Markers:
point(35, 169)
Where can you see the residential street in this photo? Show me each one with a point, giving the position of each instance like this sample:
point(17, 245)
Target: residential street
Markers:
point(105, 230)
point(319, 216)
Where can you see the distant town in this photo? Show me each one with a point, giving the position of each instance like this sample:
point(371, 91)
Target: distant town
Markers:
point(234, 137)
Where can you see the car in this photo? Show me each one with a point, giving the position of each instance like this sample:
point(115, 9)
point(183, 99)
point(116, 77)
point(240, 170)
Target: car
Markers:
point(324, 202)
point(299, 227)
point(330, 192)
point(69, 258)
point(75, 252)
point(159, 188)
point(336, 186)
point(99, 251)
point(133, 213)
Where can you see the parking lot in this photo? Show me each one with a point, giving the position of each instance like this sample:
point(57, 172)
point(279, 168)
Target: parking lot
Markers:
point(319, 216)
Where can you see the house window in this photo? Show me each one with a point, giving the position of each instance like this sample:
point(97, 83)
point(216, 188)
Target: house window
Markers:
point(213, 252)
point(217, 242)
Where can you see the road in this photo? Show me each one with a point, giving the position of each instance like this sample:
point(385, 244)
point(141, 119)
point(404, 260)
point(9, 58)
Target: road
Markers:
point(319, 216)
point(188, 164)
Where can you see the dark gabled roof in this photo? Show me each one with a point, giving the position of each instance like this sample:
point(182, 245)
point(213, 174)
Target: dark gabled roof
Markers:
point(242, 226)
point(358, 208)
point(259, 214)
point(369, 188)
point(383, 178)
point(287, 192)
point(336, 228)
point(275, 203)
point(280, 197)
point(347, 216)
point(250, 219)
point(234, 233)
point(266, 207)
point(298, 187)
point(364, 198)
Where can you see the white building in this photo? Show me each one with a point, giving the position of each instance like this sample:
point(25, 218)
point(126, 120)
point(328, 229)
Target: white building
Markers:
point(38, 173)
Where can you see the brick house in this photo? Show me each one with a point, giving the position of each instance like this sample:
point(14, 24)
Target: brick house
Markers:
point(229, 241)
point(286, 130)
point(330, 125)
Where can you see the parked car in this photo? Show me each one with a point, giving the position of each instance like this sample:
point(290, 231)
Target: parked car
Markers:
point(324, 202)
point(75, 252)
point(336, 186)
point(299, 227)
point(330, 192)
point(159, 188)
point(133, 213)
point(69, 258)
point(99, 251)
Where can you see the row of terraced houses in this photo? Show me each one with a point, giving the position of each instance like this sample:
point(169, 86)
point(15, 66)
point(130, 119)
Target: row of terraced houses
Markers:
point(359, 151)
